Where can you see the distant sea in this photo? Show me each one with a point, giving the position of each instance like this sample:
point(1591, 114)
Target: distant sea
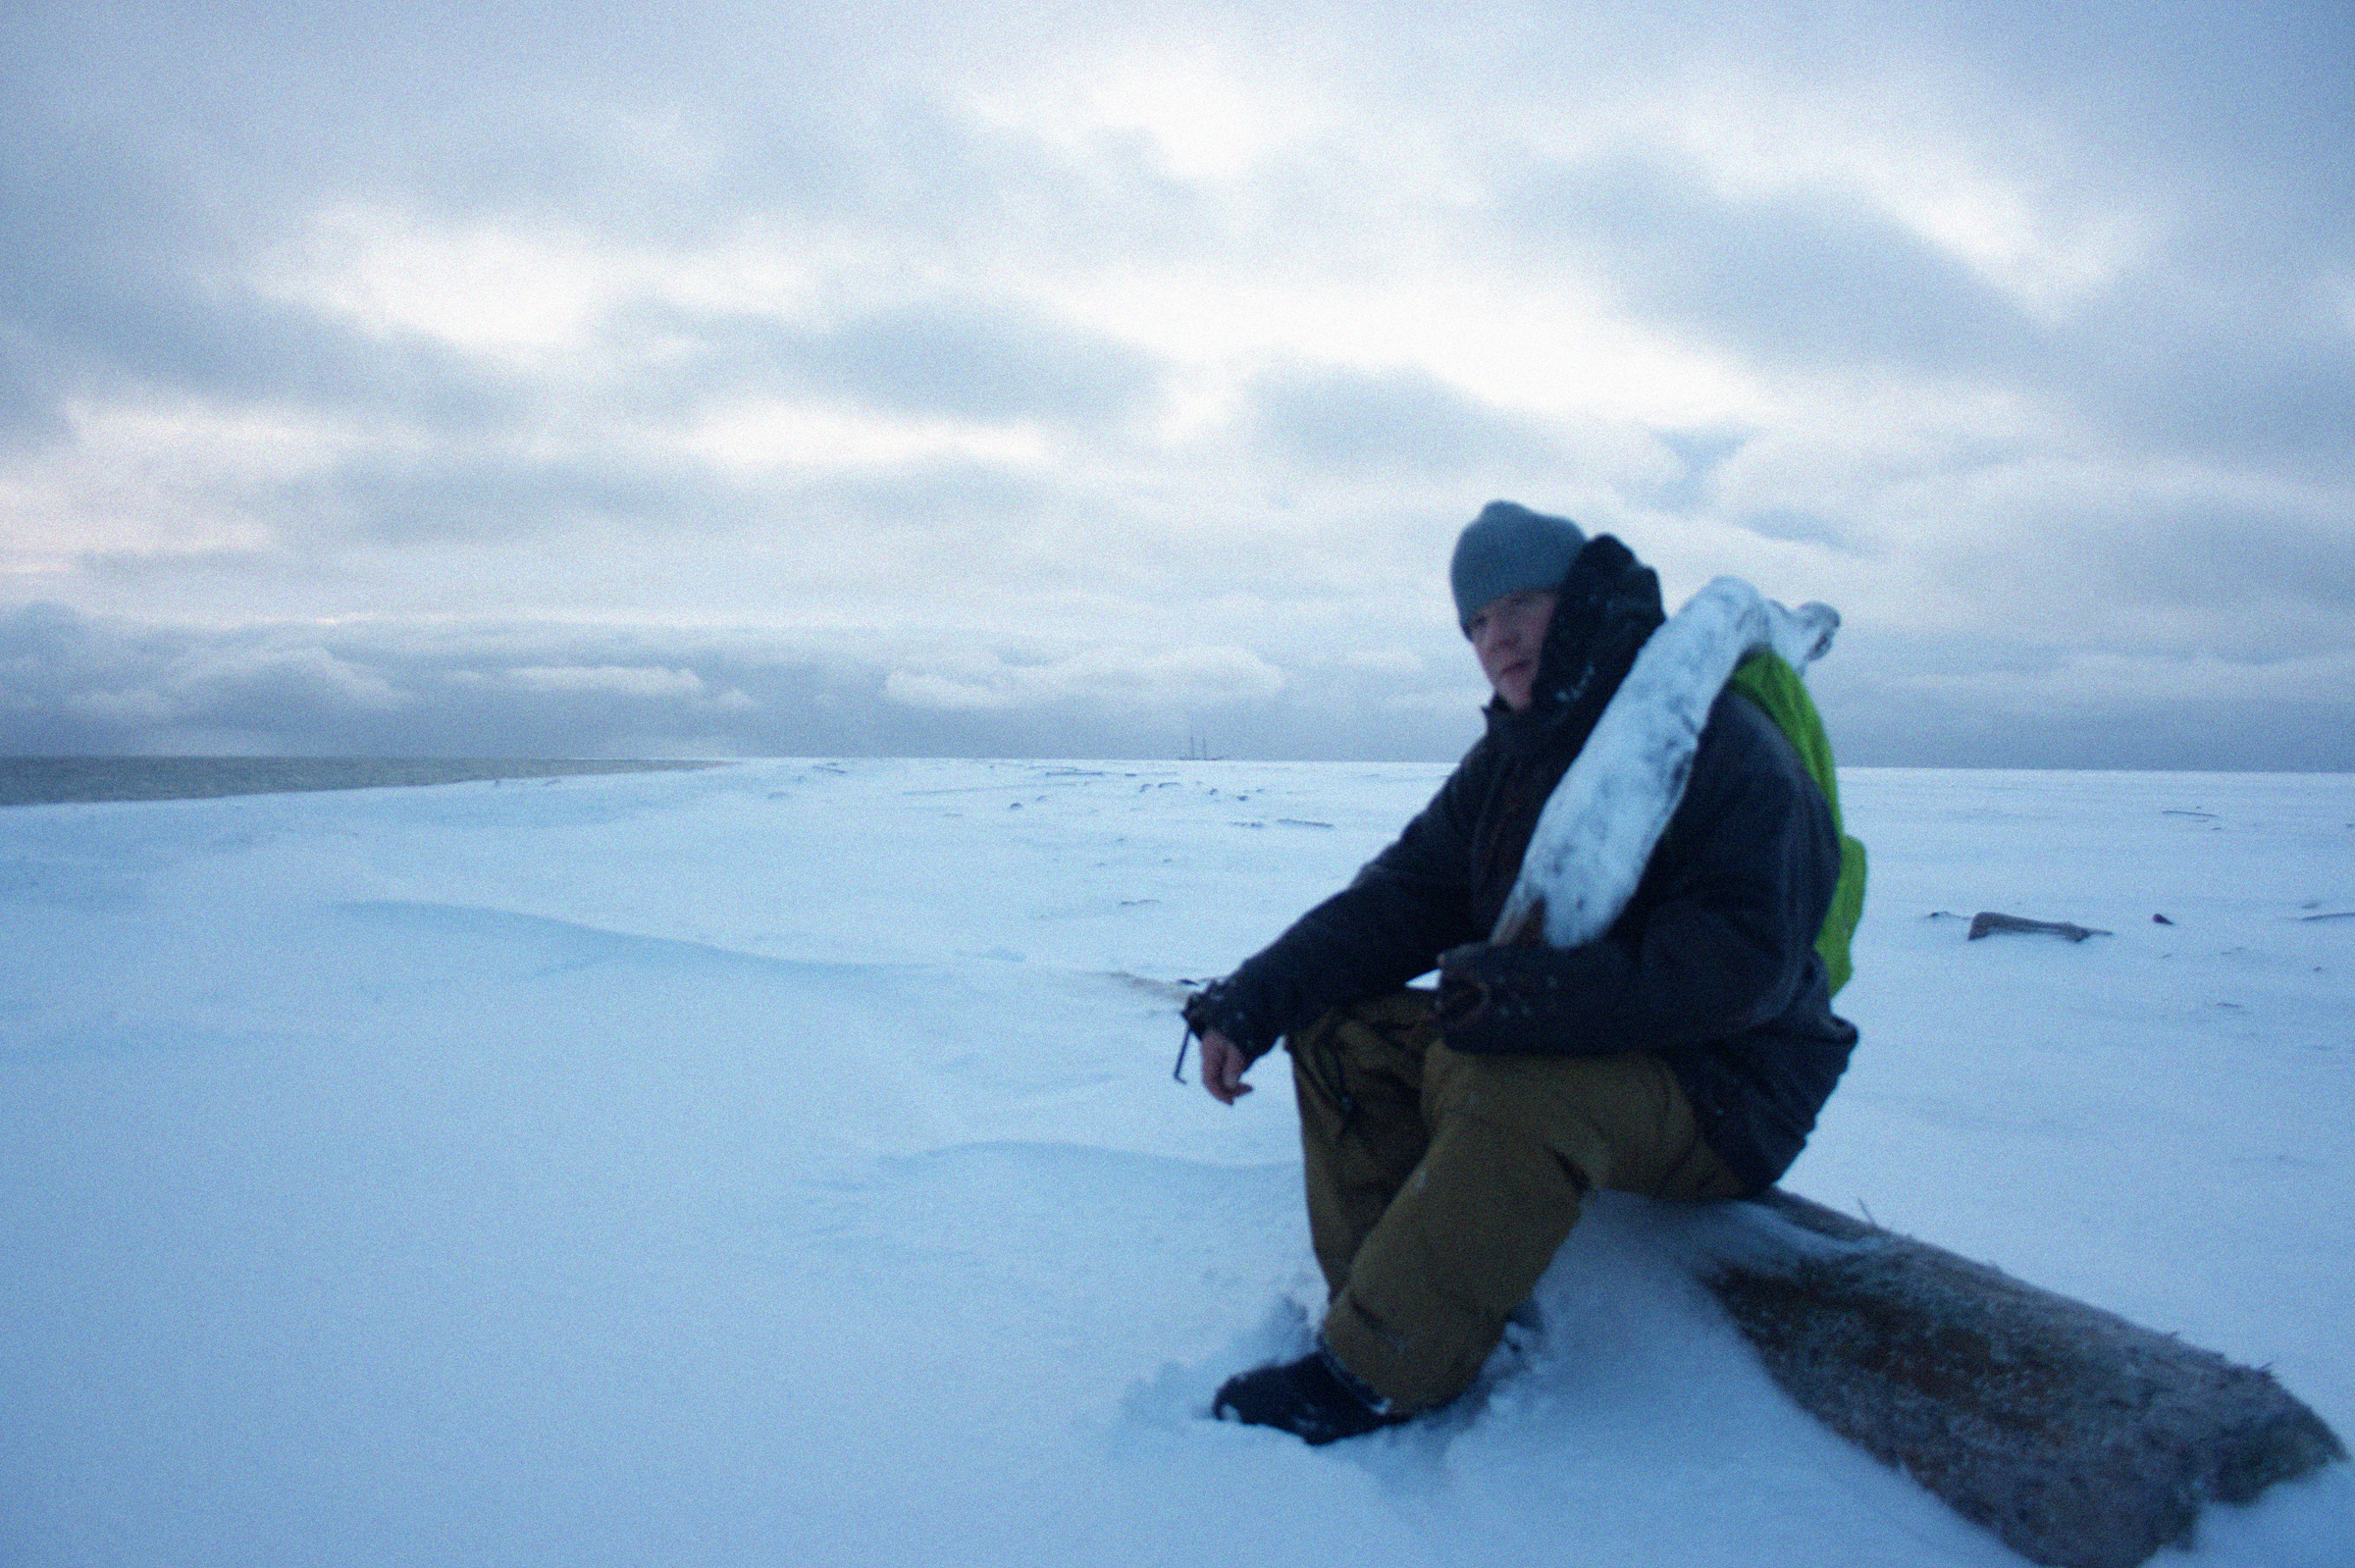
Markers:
point(49, 780)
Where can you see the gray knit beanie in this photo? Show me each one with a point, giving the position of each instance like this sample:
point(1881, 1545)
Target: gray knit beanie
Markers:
point(1505, 550)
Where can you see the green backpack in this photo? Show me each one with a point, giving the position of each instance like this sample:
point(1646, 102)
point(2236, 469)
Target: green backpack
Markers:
point(1769, 681)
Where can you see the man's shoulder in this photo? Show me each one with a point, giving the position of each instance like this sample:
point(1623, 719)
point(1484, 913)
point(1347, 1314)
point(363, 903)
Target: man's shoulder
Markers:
point(1436, 840)
point(1479, 759)
point(1739, 728)
point(1744, 751)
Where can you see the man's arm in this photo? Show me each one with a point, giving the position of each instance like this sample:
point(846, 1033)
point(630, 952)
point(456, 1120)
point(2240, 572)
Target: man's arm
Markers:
point(1408, 905)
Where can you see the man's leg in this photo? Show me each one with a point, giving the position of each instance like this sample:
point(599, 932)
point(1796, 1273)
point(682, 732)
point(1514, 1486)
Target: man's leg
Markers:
point(1358, 1073)
point(1517, 1142)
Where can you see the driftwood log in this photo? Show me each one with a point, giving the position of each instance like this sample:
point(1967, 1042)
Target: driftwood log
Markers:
point(1987, 923)
point(2078, 1438)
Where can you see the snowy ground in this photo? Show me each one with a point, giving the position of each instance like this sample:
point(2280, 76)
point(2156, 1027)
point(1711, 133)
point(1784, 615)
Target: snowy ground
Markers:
point(780, 1165)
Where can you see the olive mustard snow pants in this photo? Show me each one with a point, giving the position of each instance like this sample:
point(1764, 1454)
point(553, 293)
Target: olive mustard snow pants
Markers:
point(1441, 1183)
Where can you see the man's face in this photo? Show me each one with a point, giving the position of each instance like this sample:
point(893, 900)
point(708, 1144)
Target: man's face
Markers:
point(1507, 636)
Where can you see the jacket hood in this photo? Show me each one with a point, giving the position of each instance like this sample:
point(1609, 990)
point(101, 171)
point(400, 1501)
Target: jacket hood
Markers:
point(1607, 604)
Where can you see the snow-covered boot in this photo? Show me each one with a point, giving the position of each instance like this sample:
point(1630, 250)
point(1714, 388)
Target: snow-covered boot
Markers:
point(1314, 1399)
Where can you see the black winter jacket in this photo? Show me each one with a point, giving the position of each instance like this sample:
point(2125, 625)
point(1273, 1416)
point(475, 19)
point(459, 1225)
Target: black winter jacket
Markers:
point(1713, 965)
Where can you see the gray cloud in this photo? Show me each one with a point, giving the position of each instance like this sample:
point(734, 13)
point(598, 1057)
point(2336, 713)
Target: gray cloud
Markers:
point(77, 685)
point(1795, 527)
point(2229, 351)
point(979, 363)
point(1989, 700)
point(861, 208)
point(1702, 452)
point(1812, 279)
point(2244, 368)
point(121, 253)
point(470, 494)
point(2252, 563)
point(1353, 420)
point(2247, 105)
point(965, 358)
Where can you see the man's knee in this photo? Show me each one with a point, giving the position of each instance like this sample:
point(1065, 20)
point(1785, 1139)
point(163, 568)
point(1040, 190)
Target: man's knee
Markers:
point(1611, 1120)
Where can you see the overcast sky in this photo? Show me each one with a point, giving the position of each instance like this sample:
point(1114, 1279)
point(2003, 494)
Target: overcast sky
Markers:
point(717, 378)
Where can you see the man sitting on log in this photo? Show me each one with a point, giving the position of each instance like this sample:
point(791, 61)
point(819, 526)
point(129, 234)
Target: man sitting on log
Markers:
point(1451, 1139)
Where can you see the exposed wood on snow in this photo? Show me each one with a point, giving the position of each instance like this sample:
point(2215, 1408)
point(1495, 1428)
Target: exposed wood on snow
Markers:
point(1987, 923)
point(2081, 1439)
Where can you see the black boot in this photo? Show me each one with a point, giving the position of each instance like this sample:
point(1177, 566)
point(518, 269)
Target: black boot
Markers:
point(1314, 1399)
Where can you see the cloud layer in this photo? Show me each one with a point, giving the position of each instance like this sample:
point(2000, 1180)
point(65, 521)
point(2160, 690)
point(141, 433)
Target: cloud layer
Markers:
point(930, 378)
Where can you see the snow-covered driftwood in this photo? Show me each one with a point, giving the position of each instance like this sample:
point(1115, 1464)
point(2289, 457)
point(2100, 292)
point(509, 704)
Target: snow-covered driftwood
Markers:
point(2079, 1438)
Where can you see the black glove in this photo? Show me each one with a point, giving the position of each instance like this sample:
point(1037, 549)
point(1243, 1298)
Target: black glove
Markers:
point(1213, 1008)
point(1500, 998)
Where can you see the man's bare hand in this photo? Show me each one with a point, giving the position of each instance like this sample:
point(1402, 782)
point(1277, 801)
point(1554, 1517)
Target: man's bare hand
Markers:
point(1222, 1067)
